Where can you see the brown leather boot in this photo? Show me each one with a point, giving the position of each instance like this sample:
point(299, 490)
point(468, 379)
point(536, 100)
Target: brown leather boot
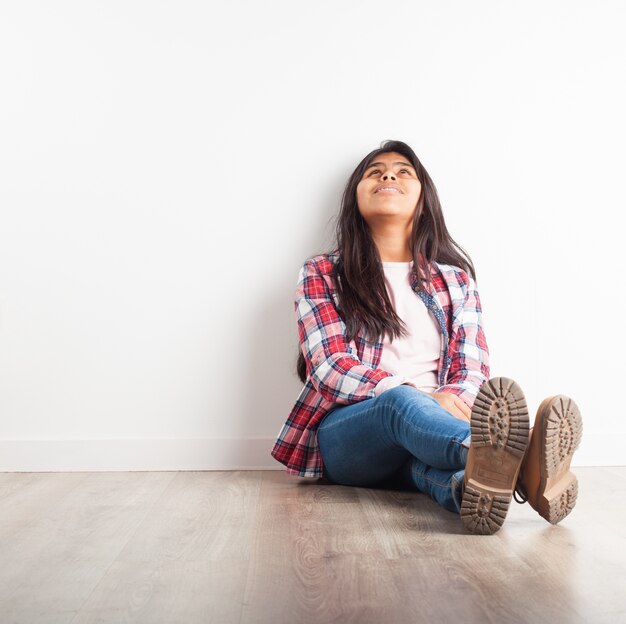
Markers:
point(545, 479)
point(499, 427)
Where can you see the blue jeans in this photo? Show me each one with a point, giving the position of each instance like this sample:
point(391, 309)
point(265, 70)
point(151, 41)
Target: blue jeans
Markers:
point(402, 439)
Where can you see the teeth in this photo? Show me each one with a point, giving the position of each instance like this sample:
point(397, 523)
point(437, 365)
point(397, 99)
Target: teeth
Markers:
point(388, 188)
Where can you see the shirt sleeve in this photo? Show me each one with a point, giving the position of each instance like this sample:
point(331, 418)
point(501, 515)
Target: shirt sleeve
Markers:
point(334, 369)
point(469, 367)
point(390, 382)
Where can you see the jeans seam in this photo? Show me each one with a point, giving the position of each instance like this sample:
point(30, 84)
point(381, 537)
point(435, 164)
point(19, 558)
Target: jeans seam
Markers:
point(433, 481)
point(421, 431)
point(396, 413)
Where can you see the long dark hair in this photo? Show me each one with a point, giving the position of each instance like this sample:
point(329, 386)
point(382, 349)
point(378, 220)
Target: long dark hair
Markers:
point(359, 264)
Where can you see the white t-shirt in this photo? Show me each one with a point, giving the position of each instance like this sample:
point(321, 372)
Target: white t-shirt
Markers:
point(414, 357)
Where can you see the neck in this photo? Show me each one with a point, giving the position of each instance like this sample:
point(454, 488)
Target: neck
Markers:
point(392, 241)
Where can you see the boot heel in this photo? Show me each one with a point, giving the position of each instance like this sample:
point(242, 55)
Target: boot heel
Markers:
point(483, 511)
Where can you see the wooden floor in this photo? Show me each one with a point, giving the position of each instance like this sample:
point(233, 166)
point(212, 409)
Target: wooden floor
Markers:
point(263, 546)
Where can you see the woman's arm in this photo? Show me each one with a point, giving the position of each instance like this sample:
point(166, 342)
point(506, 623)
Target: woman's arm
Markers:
point(469, 367)
point(334, 369)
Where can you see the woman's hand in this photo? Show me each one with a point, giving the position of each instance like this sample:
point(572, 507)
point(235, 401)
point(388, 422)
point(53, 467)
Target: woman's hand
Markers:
point(457, 407)
point(449, 402)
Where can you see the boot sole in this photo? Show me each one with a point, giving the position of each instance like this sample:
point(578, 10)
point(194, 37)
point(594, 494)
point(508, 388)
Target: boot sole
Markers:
point(500, 434)
point(562, 432)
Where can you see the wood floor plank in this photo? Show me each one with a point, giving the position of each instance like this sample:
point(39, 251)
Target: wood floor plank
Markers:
point(188, 560)
point(263, 546)
point(315, 562)
point(59, 532)
point(618, 471)
point(451, 575)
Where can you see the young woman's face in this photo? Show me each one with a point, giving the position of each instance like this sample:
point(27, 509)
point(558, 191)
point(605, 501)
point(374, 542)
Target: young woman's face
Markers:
point(389, 189)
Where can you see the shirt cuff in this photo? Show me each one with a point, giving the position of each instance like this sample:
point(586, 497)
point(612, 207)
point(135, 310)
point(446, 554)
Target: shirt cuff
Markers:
point(387, 383)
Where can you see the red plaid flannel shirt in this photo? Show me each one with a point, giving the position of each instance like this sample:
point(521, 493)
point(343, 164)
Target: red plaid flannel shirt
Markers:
point(341, 372)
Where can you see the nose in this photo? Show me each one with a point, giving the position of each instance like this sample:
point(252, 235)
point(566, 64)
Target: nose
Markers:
point(389, 176)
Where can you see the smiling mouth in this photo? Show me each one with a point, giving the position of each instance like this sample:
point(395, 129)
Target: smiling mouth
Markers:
point(388, 190)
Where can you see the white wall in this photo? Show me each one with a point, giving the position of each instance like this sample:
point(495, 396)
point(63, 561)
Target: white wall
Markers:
point(166, 167)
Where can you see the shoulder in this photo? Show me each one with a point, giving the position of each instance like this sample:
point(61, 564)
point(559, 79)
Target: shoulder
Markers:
point(454, 278)
point(323, 264)
point(317, 277)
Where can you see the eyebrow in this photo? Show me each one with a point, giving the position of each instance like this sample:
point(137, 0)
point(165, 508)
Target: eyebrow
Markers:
point(396, 163)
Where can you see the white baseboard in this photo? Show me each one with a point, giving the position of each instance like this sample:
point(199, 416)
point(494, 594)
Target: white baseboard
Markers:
point(601, 449)
point(137, 454)
point(596, 449)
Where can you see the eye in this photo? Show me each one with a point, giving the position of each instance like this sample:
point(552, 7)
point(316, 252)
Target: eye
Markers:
point(378, 171)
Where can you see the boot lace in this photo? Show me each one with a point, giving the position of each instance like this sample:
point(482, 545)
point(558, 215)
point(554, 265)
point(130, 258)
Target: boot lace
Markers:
point(520, 490)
